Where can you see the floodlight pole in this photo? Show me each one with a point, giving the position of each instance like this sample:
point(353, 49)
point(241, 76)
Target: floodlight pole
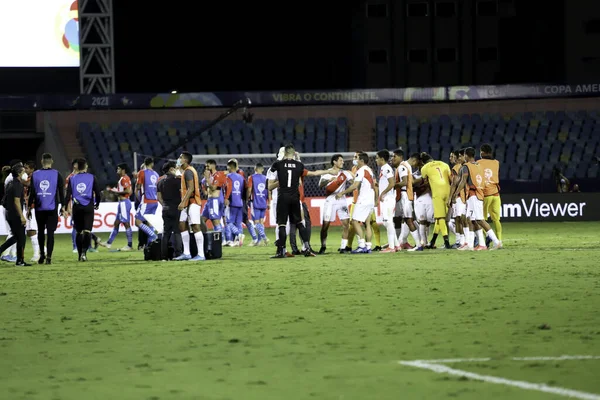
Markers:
point(96, 47)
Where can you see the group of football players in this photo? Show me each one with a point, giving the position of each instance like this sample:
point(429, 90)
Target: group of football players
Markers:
point(412, 194)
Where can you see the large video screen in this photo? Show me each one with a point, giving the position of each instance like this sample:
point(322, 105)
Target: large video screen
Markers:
point(39, 33)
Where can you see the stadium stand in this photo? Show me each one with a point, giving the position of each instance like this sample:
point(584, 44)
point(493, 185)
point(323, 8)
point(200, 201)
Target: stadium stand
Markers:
point(529, 144)
point(107, 145)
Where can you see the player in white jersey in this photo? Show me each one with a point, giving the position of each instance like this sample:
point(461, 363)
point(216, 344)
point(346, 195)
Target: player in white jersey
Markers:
point(31, 226)
point(387, 198)
point(423, 202)
point(458, 220)
point(365, 203)
point(405, 185)
point(334, 207)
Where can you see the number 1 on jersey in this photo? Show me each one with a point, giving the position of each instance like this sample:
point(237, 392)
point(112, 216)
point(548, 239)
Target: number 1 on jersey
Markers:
point(440, 172)
point(289, 183)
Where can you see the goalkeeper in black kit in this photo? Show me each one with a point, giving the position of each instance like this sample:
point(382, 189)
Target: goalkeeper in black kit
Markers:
point(289, 172)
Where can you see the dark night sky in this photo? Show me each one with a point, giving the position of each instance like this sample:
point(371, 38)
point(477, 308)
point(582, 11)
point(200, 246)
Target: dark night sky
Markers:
point(230, 48)
point(295, 46)
point(213, 48)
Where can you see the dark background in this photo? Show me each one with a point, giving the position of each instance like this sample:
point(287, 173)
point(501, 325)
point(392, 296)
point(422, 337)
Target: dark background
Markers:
point(324, 45)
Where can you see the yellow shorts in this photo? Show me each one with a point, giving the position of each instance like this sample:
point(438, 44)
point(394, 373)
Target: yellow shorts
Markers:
point(440, 206)
point(491, 207)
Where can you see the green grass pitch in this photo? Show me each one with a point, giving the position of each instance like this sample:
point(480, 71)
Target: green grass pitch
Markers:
point(331, 327)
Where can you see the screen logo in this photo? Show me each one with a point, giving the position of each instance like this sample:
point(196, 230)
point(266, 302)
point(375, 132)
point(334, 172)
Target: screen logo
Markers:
point(67, 28)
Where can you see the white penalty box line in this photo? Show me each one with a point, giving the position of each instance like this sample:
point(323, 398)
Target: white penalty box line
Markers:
point(438, 366)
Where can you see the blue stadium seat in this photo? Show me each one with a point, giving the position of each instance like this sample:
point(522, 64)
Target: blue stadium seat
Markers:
point(524, 173)
point(310, 125)
point(536, 172)
point(391, 125)
point(381, 141)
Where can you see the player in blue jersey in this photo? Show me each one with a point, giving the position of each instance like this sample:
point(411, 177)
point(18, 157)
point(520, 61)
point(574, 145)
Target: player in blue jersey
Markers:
point(234, 203)
point(258, 198)
point(146, 185)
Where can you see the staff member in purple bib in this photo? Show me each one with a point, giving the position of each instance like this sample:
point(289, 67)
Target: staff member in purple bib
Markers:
point(45, 195)
point(85, 191)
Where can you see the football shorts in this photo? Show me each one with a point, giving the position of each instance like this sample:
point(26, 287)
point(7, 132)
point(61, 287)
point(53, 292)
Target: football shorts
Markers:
point(474, 209)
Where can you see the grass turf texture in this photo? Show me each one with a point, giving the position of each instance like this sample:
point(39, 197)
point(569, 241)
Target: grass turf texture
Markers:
point(331, 327)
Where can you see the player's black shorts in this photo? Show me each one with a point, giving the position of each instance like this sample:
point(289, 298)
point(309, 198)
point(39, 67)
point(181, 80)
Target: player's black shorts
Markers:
point(83, 217)
point(288, 207)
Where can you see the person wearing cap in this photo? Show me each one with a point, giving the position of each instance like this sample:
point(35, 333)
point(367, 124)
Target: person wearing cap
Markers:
point(13, 202)
point(44, 197)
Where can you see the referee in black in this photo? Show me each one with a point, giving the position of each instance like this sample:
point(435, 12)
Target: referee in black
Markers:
point(13, 202)
point(289, 172)
point(45, 194)
point(169, 197)
point(86, 194)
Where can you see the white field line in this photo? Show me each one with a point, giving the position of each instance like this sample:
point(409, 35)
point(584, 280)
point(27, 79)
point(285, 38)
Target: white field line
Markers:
point(443, 369)
point(485, 359)
point(452, 360)
point(556, 358)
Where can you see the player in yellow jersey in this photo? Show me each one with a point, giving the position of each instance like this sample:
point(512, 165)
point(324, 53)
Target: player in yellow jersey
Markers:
point(491, 190)
point(373, 217)
point(437, 174)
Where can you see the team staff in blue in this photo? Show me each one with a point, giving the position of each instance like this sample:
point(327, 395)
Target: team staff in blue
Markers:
point(46, 193)
point(85, 191)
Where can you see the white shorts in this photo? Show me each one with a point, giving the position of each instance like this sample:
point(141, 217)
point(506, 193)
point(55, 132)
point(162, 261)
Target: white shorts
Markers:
point(459, 208)
point(361, 212)
point(407, 205)
point(474, 209)
point(273, 213)
point(335, 207)
point(388, 209)
point(8, 231)
point(31, 224)
point(424, 208)
point(191, 214)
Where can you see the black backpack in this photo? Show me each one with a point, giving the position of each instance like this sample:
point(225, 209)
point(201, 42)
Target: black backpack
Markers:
point(213, 245)
point(153, 251)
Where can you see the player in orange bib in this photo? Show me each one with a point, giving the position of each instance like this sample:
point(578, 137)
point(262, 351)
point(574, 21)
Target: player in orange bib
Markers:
point(190, 216)
point(491, 191)
point(472, 181)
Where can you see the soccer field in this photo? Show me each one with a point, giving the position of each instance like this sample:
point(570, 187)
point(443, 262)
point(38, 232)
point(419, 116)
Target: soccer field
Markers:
point(331, 327)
